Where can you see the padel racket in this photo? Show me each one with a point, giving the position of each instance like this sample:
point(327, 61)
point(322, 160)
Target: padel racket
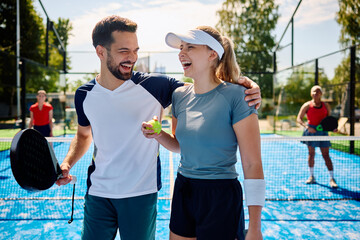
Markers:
point(33, 162)
point(329, 123)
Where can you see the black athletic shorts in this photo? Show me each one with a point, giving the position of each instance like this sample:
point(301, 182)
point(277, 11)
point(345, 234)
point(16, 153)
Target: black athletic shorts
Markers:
point(44, 130)
point(207, 209)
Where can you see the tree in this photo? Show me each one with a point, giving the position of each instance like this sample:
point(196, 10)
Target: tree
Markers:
point(75, 84)
point(348, 17)
point(31, 31)
point(32, 51)
point(296, 90)
point(64, 28)
point(249, 23)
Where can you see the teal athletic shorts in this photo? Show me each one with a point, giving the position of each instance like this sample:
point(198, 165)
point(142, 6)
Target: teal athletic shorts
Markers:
point(135, 217)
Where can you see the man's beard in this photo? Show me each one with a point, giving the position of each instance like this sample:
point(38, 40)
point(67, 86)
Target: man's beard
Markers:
point(115, 70)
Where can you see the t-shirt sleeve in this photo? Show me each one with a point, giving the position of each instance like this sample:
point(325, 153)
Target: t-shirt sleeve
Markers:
point(50, 107)
point(158, 85)
point(240, 108)
point(80, 95)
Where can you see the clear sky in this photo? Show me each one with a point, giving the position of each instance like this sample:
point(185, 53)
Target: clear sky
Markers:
point(316, 31)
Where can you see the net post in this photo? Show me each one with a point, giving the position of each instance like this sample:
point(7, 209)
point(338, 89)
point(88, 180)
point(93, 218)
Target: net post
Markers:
point(352, 94)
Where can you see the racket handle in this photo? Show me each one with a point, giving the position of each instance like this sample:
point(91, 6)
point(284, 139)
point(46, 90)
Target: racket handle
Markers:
point(74, 179)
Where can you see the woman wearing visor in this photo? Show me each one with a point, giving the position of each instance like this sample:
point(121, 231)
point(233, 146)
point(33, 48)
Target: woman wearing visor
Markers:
point(210, 120)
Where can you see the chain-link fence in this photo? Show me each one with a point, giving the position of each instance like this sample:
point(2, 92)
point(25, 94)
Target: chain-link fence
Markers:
point(332, 72)
point(33, 77)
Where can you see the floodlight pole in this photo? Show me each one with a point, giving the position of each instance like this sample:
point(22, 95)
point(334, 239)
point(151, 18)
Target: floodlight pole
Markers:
point(23, 94)
point(47, 42)
point(292, 41)
point(18, 56)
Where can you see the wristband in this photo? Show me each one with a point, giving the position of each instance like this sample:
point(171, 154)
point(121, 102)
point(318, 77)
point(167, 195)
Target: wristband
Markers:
point(254, 192)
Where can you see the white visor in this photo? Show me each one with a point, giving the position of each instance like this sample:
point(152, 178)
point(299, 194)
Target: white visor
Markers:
point(198, 37)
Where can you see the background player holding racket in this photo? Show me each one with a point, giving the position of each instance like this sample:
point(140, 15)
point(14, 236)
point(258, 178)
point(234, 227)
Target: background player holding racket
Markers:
point(316, 111)
point(124, 176)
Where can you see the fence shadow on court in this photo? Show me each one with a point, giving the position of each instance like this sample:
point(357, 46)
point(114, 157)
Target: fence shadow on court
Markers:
point(347, 194)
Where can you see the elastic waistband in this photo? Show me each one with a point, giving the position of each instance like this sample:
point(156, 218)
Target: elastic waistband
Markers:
point(206, 182)
point(45, 125)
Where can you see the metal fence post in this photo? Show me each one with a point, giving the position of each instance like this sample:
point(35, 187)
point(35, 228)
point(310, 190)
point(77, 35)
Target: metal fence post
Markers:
point(23, 93)
point(352, 94)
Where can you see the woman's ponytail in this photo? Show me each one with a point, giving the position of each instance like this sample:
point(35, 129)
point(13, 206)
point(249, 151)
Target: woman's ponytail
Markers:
point(226, 68)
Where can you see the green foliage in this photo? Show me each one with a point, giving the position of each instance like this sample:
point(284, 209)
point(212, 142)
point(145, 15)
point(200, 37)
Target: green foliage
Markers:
point(187, 79)
point(73, 85)
point(63, 28)
point(56, 59)
point(296, 91)
point(341, 78)
point(249, 23)
point(32, 51)
point(348, 17)
point(31, 31)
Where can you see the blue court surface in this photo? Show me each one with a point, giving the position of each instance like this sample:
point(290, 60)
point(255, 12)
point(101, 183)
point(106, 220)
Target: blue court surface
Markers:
point(293, 210)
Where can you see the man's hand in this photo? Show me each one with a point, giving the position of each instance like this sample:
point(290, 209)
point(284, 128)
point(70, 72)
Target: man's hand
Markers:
point(253, 92)
point(66, 177)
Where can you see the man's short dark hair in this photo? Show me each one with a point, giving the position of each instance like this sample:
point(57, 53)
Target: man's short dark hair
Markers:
point(101, 34)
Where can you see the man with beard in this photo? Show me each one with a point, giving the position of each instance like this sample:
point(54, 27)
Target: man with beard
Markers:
point(124, 176)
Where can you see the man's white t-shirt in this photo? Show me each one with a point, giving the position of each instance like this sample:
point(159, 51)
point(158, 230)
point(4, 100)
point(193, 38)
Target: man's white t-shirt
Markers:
point(125, 163)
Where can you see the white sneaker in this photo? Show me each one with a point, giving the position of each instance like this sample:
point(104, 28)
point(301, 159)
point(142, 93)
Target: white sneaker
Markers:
point(333, 184)
point(311, 180)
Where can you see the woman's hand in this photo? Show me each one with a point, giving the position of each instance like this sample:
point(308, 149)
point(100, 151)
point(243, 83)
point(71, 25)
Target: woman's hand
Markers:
point(311, 130)
point(253, 235)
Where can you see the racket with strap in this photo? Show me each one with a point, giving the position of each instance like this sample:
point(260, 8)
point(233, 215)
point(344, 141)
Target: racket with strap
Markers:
point(329, 123)
point(34, 164)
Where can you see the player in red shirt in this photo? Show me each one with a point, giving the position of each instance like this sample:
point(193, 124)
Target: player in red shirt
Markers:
point(316, 110)
point(41, 114)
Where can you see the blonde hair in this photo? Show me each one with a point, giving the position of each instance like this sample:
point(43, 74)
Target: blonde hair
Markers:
point(226, 68)
point(316, 87)
point(41, 92)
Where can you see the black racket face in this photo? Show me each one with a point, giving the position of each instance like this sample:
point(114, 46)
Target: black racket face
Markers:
point(32, 161)
point(329, 123)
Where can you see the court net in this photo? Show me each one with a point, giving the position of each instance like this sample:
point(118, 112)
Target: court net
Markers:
point(284, 162)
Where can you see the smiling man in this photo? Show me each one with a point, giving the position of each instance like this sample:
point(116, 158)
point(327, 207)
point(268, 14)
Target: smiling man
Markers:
point(124, 176)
